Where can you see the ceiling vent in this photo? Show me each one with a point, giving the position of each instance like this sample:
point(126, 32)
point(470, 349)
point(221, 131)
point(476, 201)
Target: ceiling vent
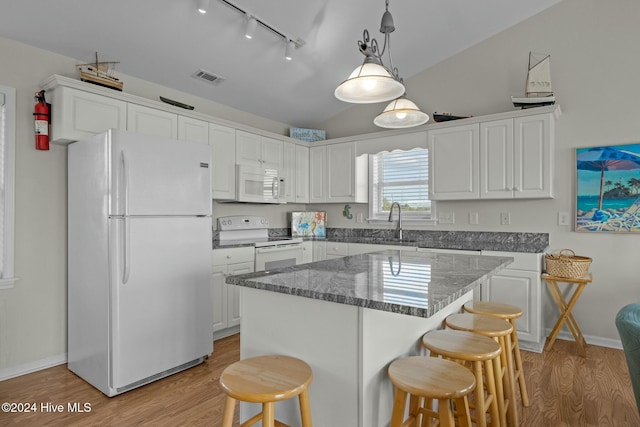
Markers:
point(207, 76)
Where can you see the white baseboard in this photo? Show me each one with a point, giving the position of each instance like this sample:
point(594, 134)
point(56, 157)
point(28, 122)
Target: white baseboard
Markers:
point(27, 368)
point(593, 340)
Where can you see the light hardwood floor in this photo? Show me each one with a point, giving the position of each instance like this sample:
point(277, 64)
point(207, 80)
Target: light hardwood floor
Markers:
point(564, 389)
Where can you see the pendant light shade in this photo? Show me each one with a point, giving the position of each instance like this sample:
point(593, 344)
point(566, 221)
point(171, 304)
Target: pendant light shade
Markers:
point(369, 83)
point(401, 113)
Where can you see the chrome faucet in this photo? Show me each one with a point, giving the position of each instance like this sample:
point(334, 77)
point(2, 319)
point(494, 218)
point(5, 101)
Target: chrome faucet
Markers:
point(399, 228)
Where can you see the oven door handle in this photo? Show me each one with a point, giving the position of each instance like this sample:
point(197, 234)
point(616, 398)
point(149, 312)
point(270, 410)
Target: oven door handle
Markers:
point(283, 248)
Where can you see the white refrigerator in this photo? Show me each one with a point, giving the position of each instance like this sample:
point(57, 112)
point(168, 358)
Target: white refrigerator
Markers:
point(139, 258)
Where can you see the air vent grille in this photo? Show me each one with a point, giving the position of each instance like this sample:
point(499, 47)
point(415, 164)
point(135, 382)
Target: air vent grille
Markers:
point(207, 76)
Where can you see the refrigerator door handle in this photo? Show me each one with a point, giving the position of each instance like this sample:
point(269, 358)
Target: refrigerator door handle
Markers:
point(125, 179)
point(125, 201)
point(126, 252)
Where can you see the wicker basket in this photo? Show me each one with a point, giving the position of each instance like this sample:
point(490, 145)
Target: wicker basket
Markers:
point(567, 264)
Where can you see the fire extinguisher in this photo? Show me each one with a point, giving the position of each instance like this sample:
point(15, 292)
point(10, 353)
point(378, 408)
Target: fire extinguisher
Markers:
point(41, 116)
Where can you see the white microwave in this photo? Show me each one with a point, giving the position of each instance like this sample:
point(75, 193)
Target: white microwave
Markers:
point(259, 185)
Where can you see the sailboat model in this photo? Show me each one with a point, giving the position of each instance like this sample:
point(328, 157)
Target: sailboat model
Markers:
point(538, 91)
point(100, 73)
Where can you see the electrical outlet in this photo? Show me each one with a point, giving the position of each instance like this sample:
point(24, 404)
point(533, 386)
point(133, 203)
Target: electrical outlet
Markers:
point(505, 218)
point(563, 218)
point(473, 218)
point(360, 217)
point(446, 218)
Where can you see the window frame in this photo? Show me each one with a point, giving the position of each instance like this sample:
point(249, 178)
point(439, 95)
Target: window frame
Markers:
point(7, 278)
point(377, 217)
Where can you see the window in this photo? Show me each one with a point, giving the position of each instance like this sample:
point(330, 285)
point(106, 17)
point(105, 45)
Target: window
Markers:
point(7, 160)
point(403, 177)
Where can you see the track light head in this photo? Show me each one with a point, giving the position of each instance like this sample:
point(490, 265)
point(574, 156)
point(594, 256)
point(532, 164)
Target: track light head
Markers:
point(250, 30)
point(288, 54)
point(203, 6)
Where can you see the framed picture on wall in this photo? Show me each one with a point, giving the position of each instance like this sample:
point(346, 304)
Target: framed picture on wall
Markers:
point(608, 191)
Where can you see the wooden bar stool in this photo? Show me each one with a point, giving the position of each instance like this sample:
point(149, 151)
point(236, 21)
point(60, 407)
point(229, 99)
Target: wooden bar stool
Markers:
point(266, 380)
point(483, 354)
point(430, 378)
point(501, 331)
point(509, 313)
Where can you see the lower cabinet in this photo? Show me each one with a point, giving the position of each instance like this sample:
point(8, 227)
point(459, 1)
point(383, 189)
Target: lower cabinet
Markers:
point(226, 298)
point(307, 252)
point(337, 250)
point(319, 250)
point(519, 284)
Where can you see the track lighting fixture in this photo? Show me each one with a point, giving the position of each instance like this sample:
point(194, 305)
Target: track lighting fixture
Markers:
point(288, 54)
point(203, 6)
point(250, 29)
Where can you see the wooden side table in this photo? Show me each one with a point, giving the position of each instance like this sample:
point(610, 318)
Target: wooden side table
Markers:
point(566, 307)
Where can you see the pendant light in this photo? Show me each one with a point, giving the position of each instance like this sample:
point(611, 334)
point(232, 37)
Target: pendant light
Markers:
point(401, 113)
point(373, 81)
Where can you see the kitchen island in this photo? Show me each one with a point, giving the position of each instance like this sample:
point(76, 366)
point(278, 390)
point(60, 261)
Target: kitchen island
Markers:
point(349, 318)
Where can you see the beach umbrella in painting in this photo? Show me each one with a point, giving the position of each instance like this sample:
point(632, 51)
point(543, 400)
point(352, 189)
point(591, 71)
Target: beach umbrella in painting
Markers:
point(601, 159)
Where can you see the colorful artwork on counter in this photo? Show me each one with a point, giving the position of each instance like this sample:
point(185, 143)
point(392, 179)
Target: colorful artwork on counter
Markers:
point(608, 193)
point(308, 224)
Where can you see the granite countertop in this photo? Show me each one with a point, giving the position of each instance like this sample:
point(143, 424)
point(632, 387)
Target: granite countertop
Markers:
point(462, 240)
point(405, 282)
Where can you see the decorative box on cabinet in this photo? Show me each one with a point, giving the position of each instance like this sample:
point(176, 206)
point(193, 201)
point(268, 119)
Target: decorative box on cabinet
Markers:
point(226, 298)
point(77, 114)
point(519, 285)
point(223, 156)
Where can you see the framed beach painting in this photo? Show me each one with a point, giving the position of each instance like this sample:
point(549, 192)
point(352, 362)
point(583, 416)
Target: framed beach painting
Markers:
point(608, 191)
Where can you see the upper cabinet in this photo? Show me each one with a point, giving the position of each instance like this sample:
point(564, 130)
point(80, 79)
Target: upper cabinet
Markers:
point(302, 174)
point(507, 158)
point(151, 121)
point(223, 158)
point(337, 175)
point(515, 158)
point(259, 151)
point(454, 162)
point(77, 114)
point(190, 129)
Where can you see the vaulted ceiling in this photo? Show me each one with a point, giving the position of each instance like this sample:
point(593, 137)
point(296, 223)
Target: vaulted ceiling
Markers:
point(167, 41)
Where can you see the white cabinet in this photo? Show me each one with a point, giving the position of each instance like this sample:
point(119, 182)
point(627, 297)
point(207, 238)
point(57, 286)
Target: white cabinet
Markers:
point(533, 152)
point(223, 158)
point(319, 250)
point(515, 157)
point(337, 250)
point(519, 284)
point(317, 173)
point(337, 175)
point(190, 129)
point(307, 252)
point(151, 121)
point(226, 298)
point(77, 114)
point(302, 174)
point(288, 172)
point(454, 162)
point(259, 151)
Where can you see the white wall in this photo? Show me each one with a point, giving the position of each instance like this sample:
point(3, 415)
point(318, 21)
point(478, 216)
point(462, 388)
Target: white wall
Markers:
point(594, 70)
point(33, 314)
